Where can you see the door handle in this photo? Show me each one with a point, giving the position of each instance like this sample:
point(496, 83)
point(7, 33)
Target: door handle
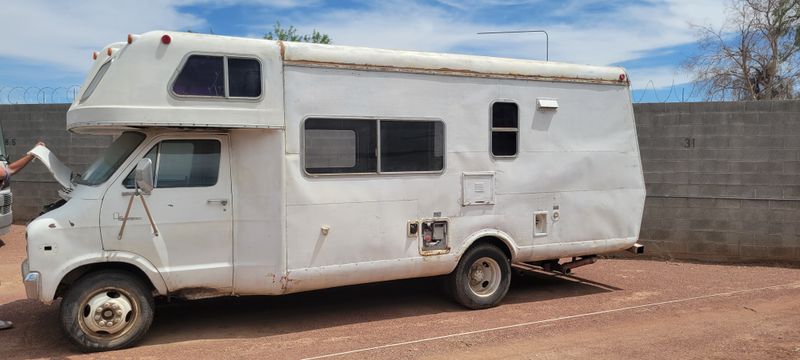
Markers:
point(122, 218)
point(222, 202)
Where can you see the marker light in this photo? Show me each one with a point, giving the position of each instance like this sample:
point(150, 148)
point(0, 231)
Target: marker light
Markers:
point(94, 55)
point(166, 39)
point(108, 51)
point(621, 77)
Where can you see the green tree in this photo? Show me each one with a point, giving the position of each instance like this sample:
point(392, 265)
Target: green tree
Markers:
point(290, 34)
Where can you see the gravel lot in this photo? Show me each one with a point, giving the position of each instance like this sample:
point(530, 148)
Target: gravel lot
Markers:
point(615, 309)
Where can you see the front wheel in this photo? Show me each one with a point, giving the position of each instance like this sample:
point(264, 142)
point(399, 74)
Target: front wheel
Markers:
point(482, 277)
point(107, 310)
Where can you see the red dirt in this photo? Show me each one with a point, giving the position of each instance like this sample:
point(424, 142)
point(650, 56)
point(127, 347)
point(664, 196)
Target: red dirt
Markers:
point(761, 323)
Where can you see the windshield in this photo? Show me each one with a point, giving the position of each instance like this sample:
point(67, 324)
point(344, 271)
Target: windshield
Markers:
point(108, 162)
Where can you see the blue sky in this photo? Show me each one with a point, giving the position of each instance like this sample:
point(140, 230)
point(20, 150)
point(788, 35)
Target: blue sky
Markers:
point(49, 43)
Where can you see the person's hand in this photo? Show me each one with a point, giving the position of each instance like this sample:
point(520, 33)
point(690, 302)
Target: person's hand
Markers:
point(37, 144)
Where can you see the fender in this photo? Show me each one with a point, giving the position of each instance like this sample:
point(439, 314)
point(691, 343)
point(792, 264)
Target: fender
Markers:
point(504, 237)
point(136, 260)
point(143, 264)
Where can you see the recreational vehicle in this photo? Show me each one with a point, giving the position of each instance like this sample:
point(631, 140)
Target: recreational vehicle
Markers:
point(255, 167)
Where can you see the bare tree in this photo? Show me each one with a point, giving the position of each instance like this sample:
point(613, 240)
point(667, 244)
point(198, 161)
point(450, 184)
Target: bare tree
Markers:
point(753, 56)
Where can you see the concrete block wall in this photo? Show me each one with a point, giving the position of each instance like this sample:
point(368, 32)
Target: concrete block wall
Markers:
point(723, 180)
point(23, 126)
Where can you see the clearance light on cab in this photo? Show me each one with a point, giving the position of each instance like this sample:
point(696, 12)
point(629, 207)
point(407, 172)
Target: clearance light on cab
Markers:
point(166, 39)
point(132, 38)
point(108, 51)
point(94, 55)
point(622, 77)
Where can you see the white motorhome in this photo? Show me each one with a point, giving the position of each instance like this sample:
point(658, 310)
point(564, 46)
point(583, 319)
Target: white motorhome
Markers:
point(247, 166)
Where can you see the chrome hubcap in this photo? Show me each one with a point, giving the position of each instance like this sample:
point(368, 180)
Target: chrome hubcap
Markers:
point(107, 313)
point(484, 277)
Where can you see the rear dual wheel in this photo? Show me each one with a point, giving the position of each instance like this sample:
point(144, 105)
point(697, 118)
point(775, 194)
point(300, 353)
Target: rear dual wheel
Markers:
point(482, 277)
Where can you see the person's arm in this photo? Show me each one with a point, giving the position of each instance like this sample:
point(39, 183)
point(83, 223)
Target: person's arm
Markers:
point(16, 166)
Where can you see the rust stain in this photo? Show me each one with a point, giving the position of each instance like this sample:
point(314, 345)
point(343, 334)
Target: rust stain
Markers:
point(286, 282)
point(448, 71)
point(194, 293)
point(283, 49)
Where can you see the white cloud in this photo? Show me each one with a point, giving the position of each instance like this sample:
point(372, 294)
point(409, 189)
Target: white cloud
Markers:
point(270, 3)
point(65, 33)
point(625, 32)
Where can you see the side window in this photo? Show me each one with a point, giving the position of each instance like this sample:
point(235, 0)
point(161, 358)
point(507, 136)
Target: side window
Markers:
point(412, 146)
point(183, 163)
point(219, 76)
point(347, 146)
point(505, 129)
point(95, 80)
point(340, 146)
point(244, 77)
point(201, 75)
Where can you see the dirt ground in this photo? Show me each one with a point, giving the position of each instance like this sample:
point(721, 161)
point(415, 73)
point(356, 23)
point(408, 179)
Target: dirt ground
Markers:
point(615, 309)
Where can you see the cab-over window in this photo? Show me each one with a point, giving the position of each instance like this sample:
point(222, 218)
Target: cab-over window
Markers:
point(219, 76)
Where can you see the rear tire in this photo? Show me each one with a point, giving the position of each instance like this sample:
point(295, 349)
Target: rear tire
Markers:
point(482, 277)
point(107, 310)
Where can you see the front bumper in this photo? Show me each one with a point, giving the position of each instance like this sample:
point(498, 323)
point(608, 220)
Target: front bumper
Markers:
point(32, 281)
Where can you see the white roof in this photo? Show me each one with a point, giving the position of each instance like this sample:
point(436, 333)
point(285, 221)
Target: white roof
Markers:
point(134, 91)
point(316, 55)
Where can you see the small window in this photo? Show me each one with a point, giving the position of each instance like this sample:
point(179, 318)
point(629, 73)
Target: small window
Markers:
point(339, 146)
point(244, 77)
point(505, 129)
point(183, 163)
point(412, 146)
point(96, 80)
point(202, 75)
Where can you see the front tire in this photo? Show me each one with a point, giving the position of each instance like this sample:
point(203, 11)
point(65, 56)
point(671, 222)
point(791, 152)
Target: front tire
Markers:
point(107, 310)
point(482, 277)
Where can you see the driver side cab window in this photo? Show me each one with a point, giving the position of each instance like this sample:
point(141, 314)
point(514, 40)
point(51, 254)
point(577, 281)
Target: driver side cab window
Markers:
point(182, 163)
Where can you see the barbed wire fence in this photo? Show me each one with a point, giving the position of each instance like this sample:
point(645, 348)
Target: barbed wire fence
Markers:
point(10, 94)
point(66, 94)
point(674, 93)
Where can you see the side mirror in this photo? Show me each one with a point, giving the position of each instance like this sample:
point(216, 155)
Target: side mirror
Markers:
point(144, 176)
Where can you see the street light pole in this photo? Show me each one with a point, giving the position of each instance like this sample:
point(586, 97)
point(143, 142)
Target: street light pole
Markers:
point(546, 37)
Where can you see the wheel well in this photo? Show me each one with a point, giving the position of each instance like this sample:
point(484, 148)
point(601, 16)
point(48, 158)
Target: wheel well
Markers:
point(491, 240)
point(84, 270)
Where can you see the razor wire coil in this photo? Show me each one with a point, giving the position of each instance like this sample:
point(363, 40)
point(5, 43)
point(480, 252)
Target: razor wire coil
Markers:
point(11, 95)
